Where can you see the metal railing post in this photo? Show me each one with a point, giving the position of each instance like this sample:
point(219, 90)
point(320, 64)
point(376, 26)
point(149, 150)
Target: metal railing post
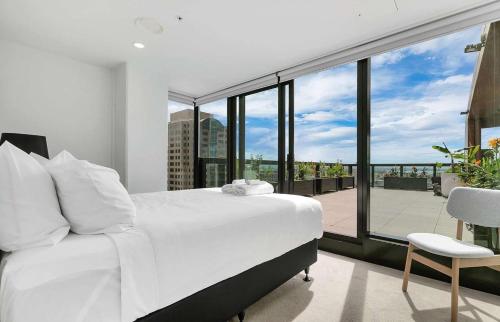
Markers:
point(373, 175)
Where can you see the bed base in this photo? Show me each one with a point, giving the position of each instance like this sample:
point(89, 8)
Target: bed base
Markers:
point(224, 300)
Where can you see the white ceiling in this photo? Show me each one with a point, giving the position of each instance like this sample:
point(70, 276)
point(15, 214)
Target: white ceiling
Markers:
point(220, 42)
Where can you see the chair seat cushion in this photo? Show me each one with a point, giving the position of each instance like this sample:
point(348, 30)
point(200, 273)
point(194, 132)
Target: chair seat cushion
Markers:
point(447, 246)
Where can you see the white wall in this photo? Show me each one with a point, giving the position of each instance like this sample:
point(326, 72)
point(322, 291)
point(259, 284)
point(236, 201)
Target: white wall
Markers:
point(69, 102)
point(147, 112)
point(113, 117)
point(120, 122)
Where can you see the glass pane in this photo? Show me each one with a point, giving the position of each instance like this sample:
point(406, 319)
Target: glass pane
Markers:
point(213, 143)
point(420, 99)
point(326, 144)
point(180, 146)
point(261, 136)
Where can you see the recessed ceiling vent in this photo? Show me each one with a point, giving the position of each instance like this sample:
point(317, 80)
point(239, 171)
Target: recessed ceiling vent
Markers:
point(149, 24)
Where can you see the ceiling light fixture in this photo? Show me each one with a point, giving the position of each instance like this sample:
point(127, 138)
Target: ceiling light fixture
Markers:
point(149, 24)
point(139, 45)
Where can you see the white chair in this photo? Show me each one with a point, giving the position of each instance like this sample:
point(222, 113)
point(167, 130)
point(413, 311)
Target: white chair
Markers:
point(474, 206)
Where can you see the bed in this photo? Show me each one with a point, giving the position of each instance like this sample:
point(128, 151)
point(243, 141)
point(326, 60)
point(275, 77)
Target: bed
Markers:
point(195, 255)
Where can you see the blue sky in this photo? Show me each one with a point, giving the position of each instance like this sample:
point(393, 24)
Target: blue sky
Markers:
point(418, 93)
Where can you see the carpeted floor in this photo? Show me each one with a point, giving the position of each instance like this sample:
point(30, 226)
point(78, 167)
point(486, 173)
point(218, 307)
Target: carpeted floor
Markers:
point(345, 289)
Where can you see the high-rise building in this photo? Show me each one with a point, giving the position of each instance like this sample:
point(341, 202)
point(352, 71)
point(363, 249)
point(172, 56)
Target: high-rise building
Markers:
point(213, 145)
point(180, 148)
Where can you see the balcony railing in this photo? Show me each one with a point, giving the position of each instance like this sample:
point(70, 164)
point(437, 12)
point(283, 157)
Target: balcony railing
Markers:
point(213, 170)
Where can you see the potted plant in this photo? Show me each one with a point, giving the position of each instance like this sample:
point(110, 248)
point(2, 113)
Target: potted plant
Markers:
point(485, 173)
point(454, 176)
point(304, 179)
point(344, 180)
point(413, 181)
point(328, 180)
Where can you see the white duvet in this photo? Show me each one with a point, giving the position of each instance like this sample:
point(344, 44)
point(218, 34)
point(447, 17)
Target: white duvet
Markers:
point(184, 241)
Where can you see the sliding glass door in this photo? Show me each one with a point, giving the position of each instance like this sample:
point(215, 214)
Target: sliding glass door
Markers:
point(262, 141)
point(326, 144)
point(258, 136)
point(421, 95)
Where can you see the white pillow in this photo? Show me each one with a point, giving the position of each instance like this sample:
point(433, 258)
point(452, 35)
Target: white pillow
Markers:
point(62, 157)
point(92, 197)
point(42, 160)
point(29, 211)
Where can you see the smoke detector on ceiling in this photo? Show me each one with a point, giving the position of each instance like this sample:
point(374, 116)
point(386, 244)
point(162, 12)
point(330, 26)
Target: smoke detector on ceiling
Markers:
point(149, 24)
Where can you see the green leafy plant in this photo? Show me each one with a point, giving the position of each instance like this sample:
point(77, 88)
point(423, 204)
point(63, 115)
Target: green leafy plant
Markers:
point(336, 170)
point(467, 157)
point(485, 173)
point(305, 170)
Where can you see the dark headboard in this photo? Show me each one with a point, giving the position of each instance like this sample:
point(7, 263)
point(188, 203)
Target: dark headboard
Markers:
point(27, 142)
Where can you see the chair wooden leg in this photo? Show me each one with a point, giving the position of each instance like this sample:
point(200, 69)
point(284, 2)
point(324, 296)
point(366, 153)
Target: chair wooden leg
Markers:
point(406, 274)
point(455, 278)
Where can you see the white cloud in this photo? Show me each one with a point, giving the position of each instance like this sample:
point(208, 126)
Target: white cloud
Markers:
point(176, 107)
point(448, 50)
point(335, 133)
point(387, 58)
point(343, 112)
point(258, 130)
point(217, 108)
point(262, 105)
point(324, 89)
point(326, 152)
point(405, 128)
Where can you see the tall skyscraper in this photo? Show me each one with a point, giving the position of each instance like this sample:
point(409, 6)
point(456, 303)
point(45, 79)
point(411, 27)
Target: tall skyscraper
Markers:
point(180, 149)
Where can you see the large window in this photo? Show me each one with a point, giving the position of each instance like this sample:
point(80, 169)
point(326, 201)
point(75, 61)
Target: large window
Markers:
point(326, 143)
point(213, 143)
point(426, 99)
point(259, 135)
point(180, 146)
point(420, 98)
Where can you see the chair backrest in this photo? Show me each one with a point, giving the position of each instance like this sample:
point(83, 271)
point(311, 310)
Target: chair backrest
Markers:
point(475, 206)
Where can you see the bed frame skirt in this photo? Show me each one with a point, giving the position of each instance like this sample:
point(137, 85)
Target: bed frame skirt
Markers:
point(224, 300)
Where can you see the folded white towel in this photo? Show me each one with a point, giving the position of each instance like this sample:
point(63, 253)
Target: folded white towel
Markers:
point(228, 188)
point(254, 182)
point(253, 189)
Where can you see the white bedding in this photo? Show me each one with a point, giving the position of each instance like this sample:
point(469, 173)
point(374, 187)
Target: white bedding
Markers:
point(187, 240)
point(76, 280)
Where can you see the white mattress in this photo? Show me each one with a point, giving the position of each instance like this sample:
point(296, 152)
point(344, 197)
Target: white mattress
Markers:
point(196, 237)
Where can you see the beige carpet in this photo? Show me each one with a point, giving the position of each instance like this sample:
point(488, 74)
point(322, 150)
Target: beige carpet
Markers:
point(344, 289)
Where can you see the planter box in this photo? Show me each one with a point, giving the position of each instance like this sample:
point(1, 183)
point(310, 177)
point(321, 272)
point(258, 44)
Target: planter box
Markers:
point(345, 182)
point(304, 187)
point(448, 182)
point(324, 185)
point(405, 183)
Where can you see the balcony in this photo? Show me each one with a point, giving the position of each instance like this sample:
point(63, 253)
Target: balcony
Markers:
point(393, 212)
